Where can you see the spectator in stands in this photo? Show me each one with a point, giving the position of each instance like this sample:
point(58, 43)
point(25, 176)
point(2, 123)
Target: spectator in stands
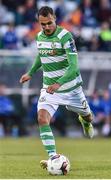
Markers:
point(81, 43)
point(19, 15)
point(76, 17)
point(93, 44)
point(89, 14)
point(12, 4)
point(60, 11)
point(5, 15)
point(7, 113)
point(30, 11)
point(3, 12)
point(10, 39)
point(105, 37)
point(107, 111)
point(101, 107)
point(11, 120)
point(104, 11)
point(97, 107)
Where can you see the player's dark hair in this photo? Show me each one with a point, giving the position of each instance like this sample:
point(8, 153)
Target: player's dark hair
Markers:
point(45, 11)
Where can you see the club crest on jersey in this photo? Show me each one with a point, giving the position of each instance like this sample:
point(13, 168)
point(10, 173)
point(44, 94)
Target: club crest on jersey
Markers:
point(53, 45)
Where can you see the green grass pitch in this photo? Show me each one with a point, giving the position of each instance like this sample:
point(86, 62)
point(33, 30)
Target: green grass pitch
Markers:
point(19, 158)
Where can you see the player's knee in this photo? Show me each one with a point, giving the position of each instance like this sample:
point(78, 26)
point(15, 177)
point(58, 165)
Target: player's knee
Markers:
point(42, 120)
point(43, 117)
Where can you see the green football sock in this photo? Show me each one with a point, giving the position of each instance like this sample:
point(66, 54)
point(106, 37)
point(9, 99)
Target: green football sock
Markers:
point(86, 122)
point(48, 139)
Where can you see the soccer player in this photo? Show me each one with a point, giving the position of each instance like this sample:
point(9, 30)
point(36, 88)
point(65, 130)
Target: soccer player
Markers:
point(62, 81)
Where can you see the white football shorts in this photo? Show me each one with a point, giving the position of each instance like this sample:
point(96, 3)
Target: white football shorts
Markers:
point(74, 101)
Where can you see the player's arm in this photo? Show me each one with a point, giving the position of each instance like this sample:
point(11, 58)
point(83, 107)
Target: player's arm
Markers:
point(35, 67)
point(70, 48)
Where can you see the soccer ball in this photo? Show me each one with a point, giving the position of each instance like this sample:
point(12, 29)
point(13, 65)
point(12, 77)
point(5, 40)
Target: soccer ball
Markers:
point(58, 165)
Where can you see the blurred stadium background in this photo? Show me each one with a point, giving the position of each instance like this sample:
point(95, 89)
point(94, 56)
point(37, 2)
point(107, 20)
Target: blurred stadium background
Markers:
point(90, 23)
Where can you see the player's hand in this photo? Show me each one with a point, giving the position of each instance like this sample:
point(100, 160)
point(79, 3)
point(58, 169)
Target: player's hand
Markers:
point(52, 88)
point(24, 78)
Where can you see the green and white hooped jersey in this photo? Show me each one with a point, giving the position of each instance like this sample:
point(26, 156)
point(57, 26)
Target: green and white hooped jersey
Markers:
point(55, 52)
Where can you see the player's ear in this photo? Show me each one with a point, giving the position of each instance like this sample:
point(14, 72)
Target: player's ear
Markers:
point(55, 17)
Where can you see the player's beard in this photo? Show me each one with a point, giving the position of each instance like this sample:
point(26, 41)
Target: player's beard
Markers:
point(48, 32)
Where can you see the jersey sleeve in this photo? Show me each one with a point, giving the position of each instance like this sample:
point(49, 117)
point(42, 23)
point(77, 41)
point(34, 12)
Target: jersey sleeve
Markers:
point(35, 66)
point(37, 63)
point(71, 52)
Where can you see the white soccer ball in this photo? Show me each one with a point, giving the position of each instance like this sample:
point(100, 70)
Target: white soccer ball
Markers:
point(58, 165)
